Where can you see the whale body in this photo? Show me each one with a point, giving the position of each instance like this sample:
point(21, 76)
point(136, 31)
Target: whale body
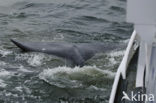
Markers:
point(78, 53)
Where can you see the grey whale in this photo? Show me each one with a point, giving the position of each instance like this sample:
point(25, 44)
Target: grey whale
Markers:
point(78, 53)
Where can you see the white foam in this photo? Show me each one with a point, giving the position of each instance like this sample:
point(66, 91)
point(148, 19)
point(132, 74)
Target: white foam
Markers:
point(33, 59)
point(36, 60)
point(113, 61)
point(117, 53)
point(4, 74)
point(2, 63)
point(27, 90)
point(59, 36)
point(86, 69)
point(2, 84)
point(23, 69)
point(73, 77)
point(109, 73)
point(96, 88)
point(4, 52)
point(113, 55)
point(126, 41)
point(19, 88)
point(9, 94)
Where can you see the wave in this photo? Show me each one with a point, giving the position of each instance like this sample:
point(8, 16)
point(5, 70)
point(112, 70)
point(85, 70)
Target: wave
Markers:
point(66, 77)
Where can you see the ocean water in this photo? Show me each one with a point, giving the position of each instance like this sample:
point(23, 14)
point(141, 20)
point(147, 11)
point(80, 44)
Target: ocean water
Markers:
point(42, 78)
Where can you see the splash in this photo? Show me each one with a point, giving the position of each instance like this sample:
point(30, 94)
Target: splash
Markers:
point(75, 77)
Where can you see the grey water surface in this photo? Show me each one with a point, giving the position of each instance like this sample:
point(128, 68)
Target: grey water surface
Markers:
point(42, 78)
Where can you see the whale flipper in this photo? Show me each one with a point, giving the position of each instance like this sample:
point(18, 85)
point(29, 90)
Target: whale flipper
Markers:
point(64, 50)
